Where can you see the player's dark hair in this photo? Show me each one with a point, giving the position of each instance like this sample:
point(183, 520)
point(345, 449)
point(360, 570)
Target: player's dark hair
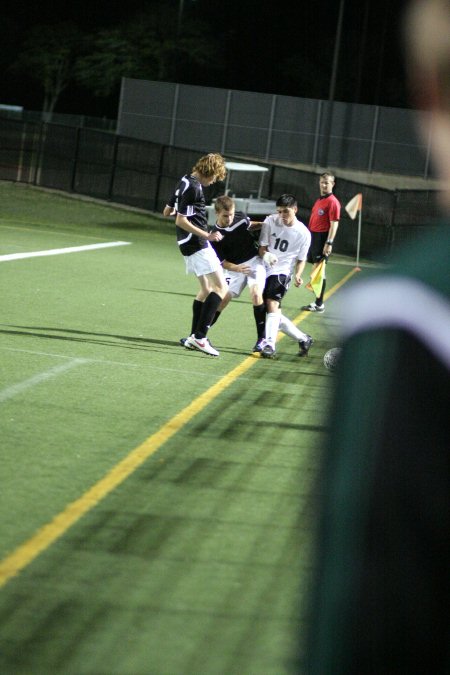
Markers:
point(223, 203)
point(286, 201)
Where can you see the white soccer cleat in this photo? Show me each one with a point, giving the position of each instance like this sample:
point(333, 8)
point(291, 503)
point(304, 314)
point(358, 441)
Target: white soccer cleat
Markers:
point(203, 345)
point(268, 350)
point(312, 307)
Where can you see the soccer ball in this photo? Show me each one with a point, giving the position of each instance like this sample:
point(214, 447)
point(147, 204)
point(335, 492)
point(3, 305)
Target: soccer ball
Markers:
point(332, 357)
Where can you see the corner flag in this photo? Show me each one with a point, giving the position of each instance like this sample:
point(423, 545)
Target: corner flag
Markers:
point(353, 208)
point(317, 277)
point(354, 205)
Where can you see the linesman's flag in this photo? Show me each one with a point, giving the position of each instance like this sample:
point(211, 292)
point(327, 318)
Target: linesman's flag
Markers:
point(317, 277)
point(354, 205)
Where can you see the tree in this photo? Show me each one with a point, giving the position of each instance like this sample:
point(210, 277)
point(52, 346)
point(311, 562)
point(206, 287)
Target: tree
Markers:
point(48, 56)
point(148, 47)
point(110, 56)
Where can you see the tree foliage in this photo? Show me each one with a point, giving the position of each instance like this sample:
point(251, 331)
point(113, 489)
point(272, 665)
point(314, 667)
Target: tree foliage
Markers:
point(48, 57)
point(110, 57)
point(150, 46)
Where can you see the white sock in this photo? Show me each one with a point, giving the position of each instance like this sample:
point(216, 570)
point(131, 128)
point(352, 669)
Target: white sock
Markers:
point(290, 329)
point(272, 325)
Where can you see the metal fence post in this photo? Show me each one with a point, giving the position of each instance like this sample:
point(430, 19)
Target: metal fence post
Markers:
point(40, 152)
point(391, 235)
point(426, 172)
point(75, 160)
point(21, 153)
point(225, 122)
point(373, 139)
point(317, 132)
point(158, 179)
point(174, 114)
point(270, 129)
point(113, 166)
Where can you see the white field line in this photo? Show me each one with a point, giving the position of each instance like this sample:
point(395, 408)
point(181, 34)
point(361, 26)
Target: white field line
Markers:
point(59, 251)
point(107, 362)
point(20, 387)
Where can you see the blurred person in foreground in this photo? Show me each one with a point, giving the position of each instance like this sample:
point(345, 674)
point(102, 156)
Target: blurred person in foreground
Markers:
point(381, 594)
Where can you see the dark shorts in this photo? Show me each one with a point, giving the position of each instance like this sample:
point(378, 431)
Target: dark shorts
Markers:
point(315, 253)
point(276, 287)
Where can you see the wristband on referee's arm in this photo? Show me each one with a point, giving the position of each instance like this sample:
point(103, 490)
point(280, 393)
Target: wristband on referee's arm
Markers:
point(330, 242)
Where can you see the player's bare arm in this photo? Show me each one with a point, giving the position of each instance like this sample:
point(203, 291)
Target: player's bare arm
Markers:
point(262, 250)
point(299, 267)
point(327, 249)
point(255, 225)
point(168, 211)
point(243, 268)
point(185, 224)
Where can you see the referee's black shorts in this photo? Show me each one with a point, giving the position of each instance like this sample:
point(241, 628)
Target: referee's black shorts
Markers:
point(318, 240)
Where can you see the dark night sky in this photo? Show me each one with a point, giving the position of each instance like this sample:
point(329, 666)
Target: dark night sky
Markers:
point(283, 46)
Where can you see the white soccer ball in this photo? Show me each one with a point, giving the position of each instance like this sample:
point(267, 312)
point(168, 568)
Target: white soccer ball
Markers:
point(332, 357)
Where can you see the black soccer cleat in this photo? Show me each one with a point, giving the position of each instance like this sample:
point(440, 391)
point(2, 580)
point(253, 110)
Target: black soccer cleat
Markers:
point(305, 346)
point(258, 346)
point(268, 352)
point(184, 343)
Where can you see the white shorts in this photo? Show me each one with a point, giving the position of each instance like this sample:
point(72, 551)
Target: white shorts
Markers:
point(237, 281)
point(203, 262)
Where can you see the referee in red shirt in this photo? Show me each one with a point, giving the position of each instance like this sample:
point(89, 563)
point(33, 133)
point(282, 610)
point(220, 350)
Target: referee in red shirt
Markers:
point(323, 225)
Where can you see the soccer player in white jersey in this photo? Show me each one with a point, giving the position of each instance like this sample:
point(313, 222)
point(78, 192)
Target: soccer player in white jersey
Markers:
point(283, 244)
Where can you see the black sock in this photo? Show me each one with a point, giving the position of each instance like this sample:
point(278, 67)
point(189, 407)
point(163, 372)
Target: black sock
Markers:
point(319, 300)
point(216, 318)
point(207, 314)
point(196, 311)
point(259, 312)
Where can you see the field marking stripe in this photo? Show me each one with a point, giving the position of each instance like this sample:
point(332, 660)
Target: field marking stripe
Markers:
point(60, 251)
point(60, 233)
point(46, 535)
point(20, 387)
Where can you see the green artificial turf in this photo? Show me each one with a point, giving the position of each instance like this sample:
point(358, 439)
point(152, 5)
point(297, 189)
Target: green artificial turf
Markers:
point(197, 563)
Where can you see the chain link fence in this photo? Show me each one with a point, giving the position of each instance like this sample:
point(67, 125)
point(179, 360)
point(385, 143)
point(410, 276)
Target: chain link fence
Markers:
point(275, 128)
point(143, 174)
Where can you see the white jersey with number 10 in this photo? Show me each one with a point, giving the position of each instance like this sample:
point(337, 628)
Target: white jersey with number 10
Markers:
point(288, 243)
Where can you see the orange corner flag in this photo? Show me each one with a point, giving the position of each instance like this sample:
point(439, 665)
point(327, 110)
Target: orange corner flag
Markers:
point(354, 205)
point(317, 277)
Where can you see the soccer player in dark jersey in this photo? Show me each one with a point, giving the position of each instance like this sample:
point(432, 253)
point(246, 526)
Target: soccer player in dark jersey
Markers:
point(238, 251)
point(193, 238)
point(323, 225)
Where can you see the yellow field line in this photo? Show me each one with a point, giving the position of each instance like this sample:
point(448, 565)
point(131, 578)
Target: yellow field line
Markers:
point(46, 535)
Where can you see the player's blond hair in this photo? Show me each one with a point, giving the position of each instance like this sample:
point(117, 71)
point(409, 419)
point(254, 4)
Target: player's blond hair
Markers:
point(211, 166)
